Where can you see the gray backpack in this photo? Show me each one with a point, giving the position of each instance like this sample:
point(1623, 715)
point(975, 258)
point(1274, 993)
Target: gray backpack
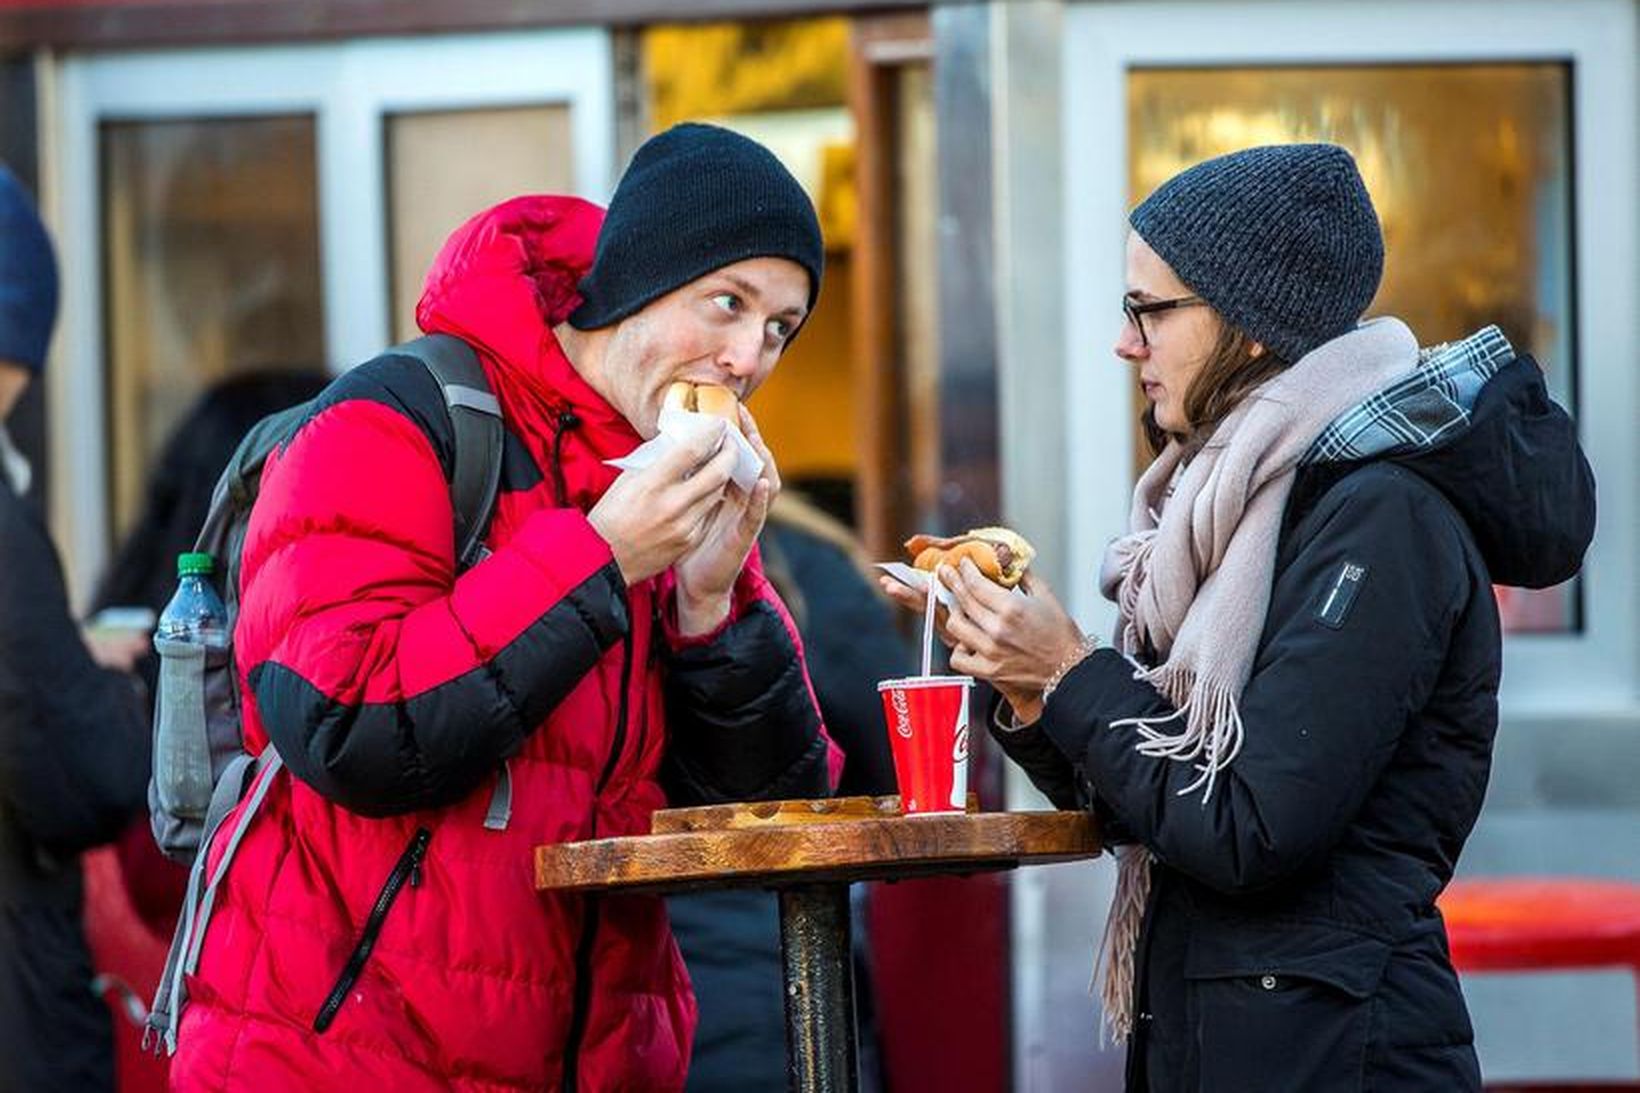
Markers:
point(201, 769)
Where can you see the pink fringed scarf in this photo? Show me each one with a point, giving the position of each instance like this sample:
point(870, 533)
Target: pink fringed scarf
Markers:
point(1192, 579)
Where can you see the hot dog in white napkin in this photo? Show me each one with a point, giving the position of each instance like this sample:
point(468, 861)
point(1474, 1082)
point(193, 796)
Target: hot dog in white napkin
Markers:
point(680, 426)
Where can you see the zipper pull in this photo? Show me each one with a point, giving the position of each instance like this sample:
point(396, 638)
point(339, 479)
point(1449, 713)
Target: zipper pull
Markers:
point(499, 814)
point(418, 850)
point(567, 420)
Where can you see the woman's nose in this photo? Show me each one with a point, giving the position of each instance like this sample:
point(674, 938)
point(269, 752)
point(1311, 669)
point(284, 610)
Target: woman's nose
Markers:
point(1130, 346)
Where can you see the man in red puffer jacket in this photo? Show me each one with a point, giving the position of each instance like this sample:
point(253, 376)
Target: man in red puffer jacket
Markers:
point(378, 928)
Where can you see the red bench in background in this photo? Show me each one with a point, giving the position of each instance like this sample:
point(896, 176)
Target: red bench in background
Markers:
point(1544, 923)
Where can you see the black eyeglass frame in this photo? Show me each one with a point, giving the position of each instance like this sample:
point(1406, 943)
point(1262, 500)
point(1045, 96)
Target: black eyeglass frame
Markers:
point(1135, 311)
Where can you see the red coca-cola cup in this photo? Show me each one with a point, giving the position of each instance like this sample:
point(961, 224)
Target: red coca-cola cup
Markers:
point(928, 734)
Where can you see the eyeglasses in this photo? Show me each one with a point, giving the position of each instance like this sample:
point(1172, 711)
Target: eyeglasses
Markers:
point(1135, 311)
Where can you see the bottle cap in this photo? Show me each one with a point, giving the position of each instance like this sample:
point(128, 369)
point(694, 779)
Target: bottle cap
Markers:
point(195, 563)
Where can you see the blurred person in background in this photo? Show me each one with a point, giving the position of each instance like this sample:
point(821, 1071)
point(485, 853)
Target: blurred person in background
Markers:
point(73, 741)
point(730, 939)
point(1292, 739)
point(143, 570)
point(133, 893)
point(143, 573)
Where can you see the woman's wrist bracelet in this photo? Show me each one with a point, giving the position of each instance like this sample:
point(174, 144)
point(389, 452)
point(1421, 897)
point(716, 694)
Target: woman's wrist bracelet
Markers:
point(1083, 649)
point(1006, 718)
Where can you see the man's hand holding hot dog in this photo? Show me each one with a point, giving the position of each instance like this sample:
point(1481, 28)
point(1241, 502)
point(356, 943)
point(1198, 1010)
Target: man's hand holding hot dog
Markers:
point(651, 517)
point(708, 570)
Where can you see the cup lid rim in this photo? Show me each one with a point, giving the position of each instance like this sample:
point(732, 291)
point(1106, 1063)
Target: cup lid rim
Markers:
point(924, 681)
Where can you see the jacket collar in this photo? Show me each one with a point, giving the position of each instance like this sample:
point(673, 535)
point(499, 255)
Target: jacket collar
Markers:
point(503, 280)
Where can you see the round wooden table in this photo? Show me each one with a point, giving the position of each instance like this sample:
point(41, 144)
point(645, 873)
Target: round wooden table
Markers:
point(809, 852)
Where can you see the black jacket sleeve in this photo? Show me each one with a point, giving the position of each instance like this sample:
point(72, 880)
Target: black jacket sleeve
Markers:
point(1032, 750)
point(849, 644)
point(1330, 693)
point(74, 750)
point(742, 722)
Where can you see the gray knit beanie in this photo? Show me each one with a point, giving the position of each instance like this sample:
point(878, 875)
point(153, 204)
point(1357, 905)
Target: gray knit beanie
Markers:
point(1281, 240)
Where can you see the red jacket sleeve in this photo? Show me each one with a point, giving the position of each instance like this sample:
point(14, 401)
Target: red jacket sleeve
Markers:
point(387, 682)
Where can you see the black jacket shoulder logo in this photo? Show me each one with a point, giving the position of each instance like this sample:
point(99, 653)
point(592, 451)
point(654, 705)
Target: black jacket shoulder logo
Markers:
point(1340, 596)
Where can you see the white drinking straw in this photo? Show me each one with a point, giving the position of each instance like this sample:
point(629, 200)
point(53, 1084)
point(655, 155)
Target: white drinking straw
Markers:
point(928, 629)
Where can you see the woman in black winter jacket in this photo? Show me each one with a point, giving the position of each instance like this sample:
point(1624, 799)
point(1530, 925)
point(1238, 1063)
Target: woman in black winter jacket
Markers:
point(1290, 741)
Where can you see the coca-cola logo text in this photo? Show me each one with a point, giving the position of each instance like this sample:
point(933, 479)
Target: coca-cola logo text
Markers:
point(902, 714)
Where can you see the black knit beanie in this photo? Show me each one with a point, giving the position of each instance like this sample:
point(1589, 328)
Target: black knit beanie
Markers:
point(1281, 240)
point(694, 199)
point(28, 278)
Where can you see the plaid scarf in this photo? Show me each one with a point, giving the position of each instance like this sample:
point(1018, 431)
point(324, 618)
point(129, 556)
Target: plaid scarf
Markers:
point(1419, 410)
point(1193, 576)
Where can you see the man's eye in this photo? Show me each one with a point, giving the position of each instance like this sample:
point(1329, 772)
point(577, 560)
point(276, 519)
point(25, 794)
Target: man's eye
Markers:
point(727, 301)
point(779, 329)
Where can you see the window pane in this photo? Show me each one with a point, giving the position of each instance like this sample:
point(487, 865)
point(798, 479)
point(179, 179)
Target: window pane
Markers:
point(916, 257)
point(1470, 168)
point(445, 166)
point(211, 269)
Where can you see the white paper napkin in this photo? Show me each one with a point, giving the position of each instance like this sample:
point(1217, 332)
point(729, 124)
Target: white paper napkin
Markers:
point(680, 425)
point(918, 579)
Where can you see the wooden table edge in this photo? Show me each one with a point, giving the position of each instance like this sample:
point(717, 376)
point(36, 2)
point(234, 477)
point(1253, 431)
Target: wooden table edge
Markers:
point(784, 855)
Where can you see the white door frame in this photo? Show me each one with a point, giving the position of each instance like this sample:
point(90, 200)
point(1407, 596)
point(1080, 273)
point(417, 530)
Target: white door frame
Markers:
point(1593, 672)
point(348, 87)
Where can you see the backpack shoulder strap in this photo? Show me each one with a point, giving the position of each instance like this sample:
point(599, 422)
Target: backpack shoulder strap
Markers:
point(475, 418)
point(236, 487)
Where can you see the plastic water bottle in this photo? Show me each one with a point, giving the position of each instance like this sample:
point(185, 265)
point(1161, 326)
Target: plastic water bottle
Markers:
point(195, 613)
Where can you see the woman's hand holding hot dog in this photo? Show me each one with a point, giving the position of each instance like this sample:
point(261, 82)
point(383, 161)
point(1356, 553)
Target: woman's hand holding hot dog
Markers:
point(1015, 643)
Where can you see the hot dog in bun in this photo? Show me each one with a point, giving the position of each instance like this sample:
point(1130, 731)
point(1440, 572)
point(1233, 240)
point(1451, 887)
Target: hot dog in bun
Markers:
point(1001, 554)
point(705, 398)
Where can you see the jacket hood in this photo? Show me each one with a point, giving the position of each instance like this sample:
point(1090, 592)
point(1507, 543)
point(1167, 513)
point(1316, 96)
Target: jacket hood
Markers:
point(1519, 479)
point(510, 272)
point(504, 280)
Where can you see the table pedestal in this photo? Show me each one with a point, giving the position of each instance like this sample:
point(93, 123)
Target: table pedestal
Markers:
point(815, 944)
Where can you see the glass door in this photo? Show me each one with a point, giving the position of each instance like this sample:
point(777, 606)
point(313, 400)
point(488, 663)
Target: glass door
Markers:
point(433, 188)
point(1470, 167)
point(237, 210)
point(210, 268)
